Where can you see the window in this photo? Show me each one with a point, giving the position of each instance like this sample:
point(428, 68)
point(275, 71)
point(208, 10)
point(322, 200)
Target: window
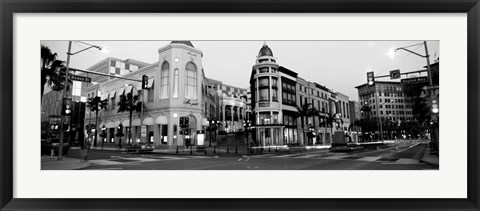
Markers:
point(263, 81)
point(274, 82)
point(274, 95)
point(264, 94)
point(275, 118)
point(191, 81)
point(175, 83)
point(164, 80)
point(263, 70)
point(264, 118)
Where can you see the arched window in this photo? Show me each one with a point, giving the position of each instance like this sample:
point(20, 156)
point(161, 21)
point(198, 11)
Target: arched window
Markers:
point(191, 81)
point(164, 80)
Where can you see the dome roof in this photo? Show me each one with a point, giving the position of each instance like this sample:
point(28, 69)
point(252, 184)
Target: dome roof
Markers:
point(183, 42)
point(265, 51)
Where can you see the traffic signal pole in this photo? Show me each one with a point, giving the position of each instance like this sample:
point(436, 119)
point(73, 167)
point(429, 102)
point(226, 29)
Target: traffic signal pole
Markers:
point(64, 94)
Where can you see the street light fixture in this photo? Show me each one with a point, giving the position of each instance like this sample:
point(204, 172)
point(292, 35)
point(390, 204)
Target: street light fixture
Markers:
point(65, 93)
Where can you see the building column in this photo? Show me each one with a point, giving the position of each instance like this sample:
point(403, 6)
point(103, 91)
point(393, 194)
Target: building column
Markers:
point(231, 116)
point(223, 117)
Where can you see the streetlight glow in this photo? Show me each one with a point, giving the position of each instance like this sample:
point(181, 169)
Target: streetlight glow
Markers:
point(391, 53)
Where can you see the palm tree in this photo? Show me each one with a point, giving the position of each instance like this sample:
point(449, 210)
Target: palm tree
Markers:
point(50, 70)
point(129, 103)
point(307, 111)
point(95, 104)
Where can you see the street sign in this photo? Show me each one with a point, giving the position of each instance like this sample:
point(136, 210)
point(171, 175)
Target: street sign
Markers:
point(432, 87)
point(144, 131)
point(394, 74)
point(414, 80)
point(80, 78)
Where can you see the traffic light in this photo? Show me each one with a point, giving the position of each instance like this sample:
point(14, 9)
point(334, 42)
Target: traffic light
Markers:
point(184, 122)
point(67, 107)
point(435, 106)
point(104, 132)
point(370, 78)
point(54, 127)
point(120, 130)
point(144, 82)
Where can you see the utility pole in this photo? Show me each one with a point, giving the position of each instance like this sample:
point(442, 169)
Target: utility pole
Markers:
point(64, 95)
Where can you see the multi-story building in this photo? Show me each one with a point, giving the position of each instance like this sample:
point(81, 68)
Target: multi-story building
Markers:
point(274, 118)
point(52, 100)
point(387, 104)
point(355, 114)
point(278, 97)
point(232, 106)
point(177, 88)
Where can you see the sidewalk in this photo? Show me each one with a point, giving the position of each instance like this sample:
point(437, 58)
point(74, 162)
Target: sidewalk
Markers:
point(65, 164)
point(430, 159)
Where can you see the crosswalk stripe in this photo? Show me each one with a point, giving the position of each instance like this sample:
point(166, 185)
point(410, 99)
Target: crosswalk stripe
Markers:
point(368, 158)
point(335, 157)
point(308, 156)
point(288, 155)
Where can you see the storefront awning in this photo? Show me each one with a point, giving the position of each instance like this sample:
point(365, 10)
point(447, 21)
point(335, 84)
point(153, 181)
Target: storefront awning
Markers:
point(121, 91)
point(205, 122)
point(112, 94)
point(104, 96)
point(136, 122)
point(128, 89)
point(116, 123)
point(110, 125)
point(148, 121)
point(126, 123)
point(162, 120)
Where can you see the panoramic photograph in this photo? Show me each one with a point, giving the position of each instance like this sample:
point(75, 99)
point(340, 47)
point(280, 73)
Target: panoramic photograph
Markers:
point(239, 105)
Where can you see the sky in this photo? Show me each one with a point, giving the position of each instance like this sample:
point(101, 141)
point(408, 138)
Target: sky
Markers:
point(338, 65)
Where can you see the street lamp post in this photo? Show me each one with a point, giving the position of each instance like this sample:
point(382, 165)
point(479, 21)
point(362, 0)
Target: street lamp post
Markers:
point(65, 94)
point(429, 70)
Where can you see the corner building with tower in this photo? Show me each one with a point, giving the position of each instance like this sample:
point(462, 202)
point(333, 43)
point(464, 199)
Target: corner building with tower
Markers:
point(177, 88)
point(277, 98)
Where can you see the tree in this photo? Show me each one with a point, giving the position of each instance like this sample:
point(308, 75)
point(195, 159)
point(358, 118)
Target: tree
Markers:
point(307, 111)
point(51, 70)
point(129, 103)
point(95, 104)
point(417, 95)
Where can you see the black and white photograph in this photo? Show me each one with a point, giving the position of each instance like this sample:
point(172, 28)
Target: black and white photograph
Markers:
point(240, 105)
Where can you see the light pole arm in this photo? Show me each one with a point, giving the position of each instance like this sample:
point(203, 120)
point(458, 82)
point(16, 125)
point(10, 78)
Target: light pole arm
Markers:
point(412, 52)
point(93, 46)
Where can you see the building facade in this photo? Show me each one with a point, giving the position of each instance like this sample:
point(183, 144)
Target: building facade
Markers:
point(177, 89)
point(280, 100)
point(386, 101)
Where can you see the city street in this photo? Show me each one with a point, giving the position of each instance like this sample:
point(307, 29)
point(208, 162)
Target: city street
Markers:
point(402, 155)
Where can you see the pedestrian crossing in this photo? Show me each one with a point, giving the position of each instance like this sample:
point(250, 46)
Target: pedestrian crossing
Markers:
point(342, 157)
point(119, 160)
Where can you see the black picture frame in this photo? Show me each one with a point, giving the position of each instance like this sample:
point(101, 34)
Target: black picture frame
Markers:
point(10, 7)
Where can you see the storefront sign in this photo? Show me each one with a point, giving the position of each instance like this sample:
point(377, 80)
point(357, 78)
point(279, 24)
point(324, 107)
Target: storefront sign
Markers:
point(190, 102)
point(414, 80)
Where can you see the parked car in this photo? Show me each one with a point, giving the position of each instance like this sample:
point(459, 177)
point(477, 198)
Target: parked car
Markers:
point(47, 146)
point(140, 148)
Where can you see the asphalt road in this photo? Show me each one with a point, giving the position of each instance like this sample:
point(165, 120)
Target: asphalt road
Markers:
point(402, 155)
